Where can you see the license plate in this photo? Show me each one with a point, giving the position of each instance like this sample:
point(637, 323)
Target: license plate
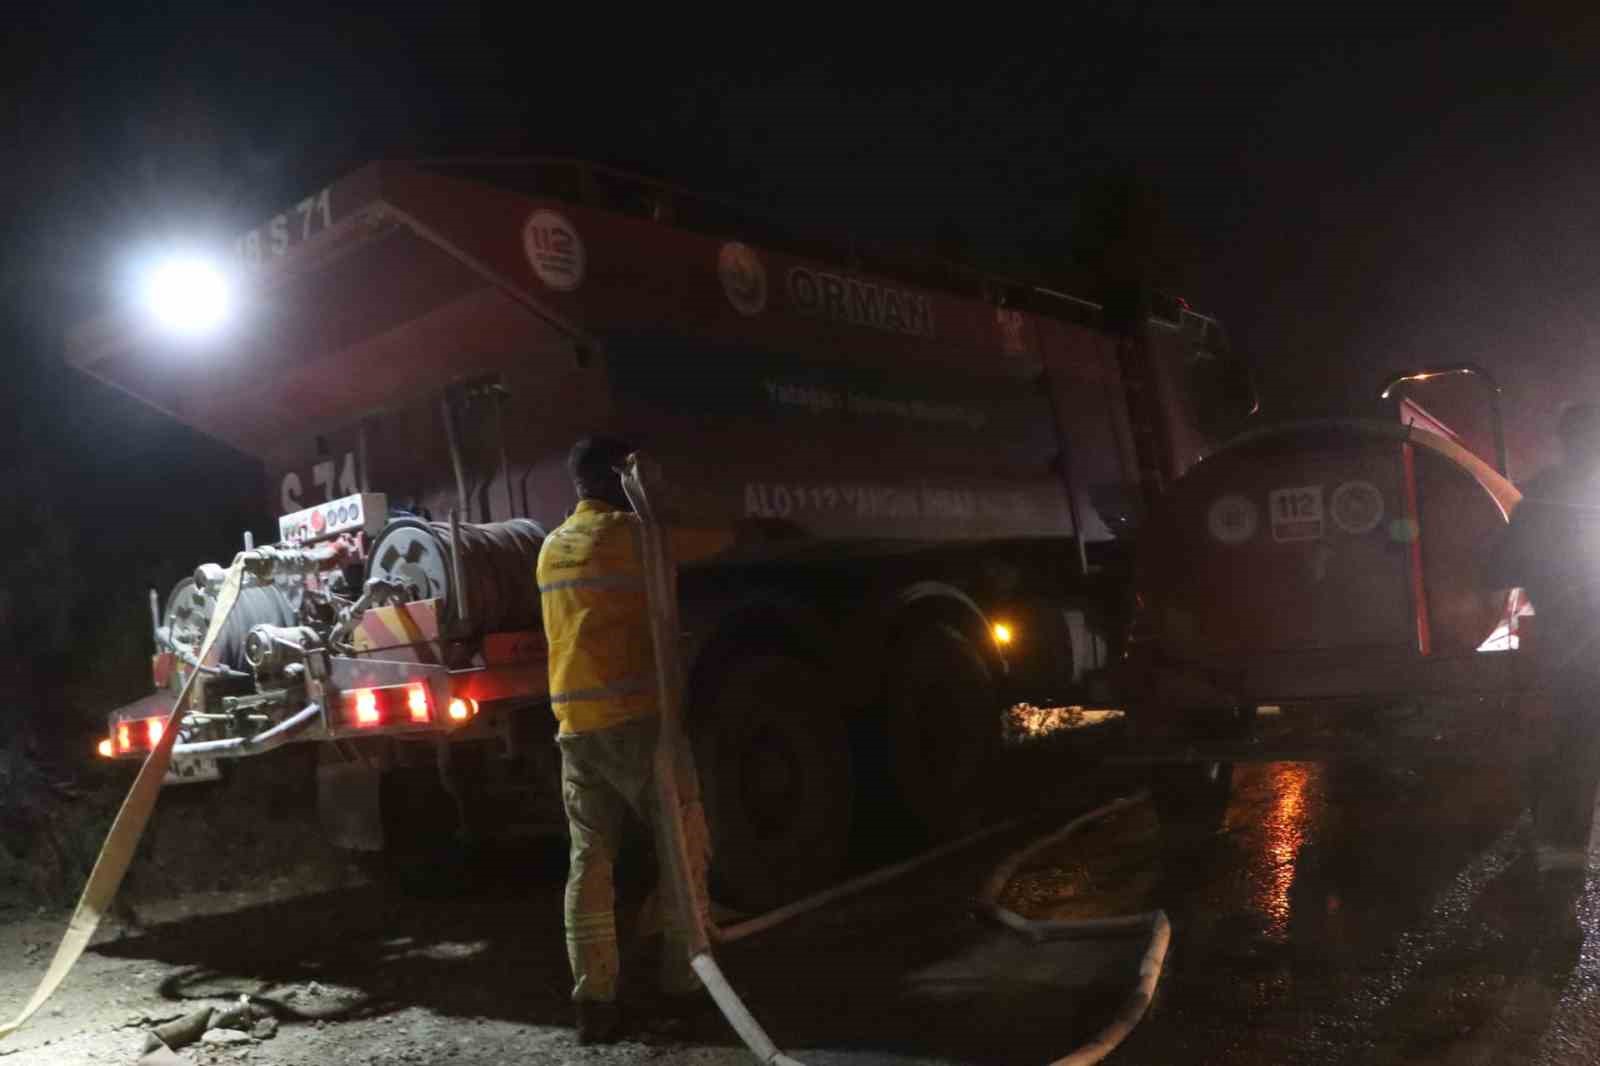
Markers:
point(192, 770)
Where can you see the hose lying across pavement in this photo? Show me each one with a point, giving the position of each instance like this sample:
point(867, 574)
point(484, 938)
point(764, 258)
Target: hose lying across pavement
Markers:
point(1155, 922)
point(761, 923)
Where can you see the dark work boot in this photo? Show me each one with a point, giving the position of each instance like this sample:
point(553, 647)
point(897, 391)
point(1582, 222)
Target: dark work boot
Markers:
point(675, 1015)
point(598, 1022)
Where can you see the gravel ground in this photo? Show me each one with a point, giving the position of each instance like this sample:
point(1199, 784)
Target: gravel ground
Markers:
point(1344, 915)
point(466, 965)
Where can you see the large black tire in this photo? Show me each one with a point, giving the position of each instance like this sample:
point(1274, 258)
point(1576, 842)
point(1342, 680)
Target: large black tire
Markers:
point(775, 770)
point(943, 726)
point(1191, 799)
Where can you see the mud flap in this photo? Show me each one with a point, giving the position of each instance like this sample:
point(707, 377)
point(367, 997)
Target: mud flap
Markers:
point(350, 805)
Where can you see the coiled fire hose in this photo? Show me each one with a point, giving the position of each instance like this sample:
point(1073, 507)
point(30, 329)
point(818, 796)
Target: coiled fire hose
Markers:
point(132, 818)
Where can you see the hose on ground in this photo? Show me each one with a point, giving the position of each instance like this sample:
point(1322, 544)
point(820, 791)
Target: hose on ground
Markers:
point(761, 923)
point(1154, 922)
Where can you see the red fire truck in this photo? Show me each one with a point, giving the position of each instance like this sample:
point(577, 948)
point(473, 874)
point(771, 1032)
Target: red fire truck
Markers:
point(941, 470)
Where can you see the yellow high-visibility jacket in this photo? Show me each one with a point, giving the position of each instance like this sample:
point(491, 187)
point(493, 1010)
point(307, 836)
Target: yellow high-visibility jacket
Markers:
point(596, 620)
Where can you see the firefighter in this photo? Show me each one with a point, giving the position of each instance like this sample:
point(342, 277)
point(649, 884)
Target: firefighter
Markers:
point(603, 691)
point(1552, 550)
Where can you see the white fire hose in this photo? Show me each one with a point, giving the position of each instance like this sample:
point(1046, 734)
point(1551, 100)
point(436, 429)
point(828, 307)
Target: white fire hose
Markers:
point(662, 593)
point(641, 480)
point(117, 852)
point(1154, 922)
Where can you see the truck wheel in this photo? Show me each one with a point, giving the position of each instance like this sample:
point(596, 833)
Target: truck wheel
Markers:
point(774, 762)
point(943, 725)
point(1191, 798)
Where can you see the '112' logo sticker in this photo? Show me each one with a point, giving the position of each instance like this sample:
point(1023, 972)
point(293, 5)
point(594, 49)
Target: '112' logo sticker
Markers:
point(1296, 513)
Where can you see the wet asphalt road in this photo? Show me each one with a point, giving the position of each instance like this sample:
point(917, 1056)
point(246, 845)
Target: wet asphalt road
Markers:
point(1356, 915)
point(1343, 916)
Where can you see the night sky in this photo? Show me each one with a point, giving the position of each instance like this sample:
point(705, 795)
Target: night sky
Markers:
point(1349, 193)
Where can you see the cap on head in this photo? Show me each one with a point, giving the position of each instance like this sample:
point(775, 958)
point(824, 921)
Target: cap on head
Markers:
point(593, 464)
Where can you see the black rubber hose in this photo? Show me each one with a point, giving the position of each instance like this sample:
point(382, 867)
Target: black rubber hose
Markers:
point(498, 563)
point(257, 605)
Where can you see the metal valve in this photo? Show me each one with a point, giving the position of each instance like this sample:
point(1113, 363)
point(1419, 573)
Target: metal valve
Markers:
point(269, 648)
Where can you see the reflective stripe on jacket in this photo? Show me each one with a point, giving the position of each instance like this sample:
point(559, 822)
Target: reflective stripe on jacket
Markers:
point(596, 618)
point(602, 668)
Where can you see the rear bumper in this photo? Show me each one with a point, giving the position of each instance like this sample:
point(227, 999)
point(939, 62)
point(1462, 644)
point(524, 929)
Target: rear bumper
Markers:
point(454, 698)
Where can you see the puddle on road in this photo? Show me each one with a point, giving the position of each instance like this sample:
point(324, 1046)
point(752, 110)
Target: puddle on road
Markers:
point(1118, 865)
point(1346, 913)
point(1293, 813)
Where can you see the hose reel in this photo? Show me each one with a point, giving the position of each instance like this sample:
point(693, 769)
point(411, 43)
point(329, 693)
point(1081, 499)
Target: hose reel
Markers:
point(497, 568)
point(190, 607)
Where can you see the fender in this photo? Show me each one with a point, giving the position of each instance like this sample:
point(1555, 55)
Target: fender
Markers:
point(759, 620)
point(874, 627)
point(852, 642)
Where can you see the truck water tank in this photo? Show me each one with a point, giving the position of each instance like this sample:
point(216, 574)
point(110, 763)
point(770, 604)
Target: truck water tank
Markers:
point(1323, 535)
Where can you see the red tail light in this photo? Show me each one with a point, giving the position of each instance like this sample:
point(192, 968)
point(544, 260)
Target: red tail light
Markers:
point(391, 705)
point(417, 701)
point(461, 709)
point(133, 735)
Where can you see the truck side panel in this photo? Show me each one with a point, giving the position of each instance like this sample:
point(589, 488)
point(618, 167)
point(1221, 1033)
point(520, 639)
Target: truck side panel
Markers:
point(851, 421)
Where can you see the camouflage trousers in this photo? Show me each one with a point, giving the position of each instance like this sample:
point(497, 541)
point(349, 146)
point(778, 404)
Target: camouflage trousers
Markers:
point(604, 775)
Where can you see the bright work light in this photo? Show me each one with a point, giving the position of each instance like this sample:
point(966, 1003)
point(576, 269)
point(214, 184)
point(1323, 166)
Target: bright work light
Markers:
point(188, 295)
